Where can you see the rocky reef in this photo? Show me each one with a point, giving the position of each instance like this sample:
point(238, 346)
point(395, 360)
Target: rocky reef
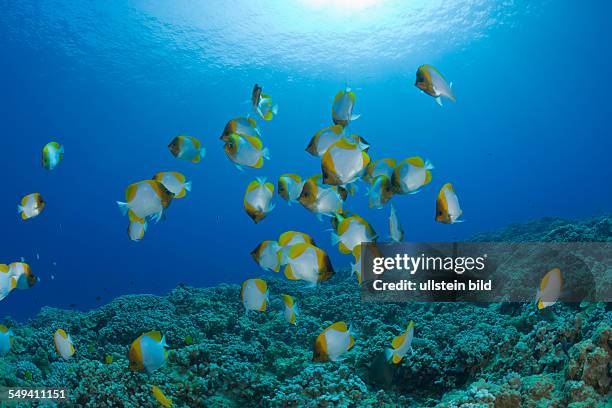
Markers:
point(463, 355)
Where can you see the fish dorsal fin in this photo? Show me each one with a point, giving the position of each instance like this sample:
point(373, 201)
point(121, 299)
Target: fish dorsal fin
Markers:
point(295, 177)
point(179, 176)
point(130, 192)
point(416, 161)
point(253, 185)
point(339, 326)
point(196, 142)
point(410, 326)
point(4, 268)
point(285, 237)
point(337, 129)
point(339, 95)
point(255, 141)
point(252, 122)
point(155, 335)
point(261, 285)
point(390, 162)
point(298, 249)
point(396, 358)
point(288, 301)
point(344, 144)
point(398, 341)
point(427, 177)
point(270, 187)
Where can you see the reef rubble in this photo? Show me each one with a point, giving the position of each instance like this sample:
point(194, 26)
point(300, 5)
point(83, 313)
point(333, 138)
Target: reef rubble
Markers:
point(463, 355)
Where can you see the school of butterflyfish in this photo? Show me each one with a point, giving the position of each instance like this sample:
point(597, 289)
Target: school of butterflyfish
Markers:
point(345, 161)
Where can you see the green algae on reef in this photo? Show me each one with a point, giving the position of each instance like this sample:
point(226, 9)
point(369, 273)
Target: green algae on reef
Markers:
point(463, 355)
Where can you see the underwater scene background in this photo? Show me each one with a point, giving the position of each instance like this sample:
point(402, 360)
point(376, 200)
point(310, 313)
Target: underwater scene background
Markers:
point(526, 144)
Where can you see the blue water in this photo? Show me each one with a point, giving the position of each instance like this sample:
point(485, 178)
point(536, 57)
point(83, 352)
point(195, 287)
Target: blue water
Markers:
point(114, 83)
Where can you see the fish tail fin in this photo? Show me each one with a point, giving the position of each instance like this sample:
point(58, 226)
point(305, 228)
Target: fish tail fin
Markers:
point(144, 225)
point(19, 209)
point(389, 354)
point(271, 207)
point(265, 153)
point(261, 180)
point(275, 109)
point(429, 165)
point(439, 101)
point(123, 207)
point(335, 238)
point(202, 152)
point(355, 116)
point(188, 186)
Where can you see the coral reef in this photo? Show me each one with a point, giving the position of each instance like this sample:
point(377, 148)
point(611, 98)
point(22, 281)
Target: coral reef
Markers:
point(463, 355)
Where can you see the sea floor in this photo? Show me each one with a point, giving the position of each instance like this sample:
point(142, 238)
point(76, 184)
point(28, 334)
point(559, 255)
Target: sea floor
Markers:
point(463, 355)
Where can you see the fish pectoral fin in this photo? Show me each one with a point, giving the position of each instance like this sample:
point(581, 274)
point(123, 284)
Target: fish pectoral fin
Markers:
point(355, 116)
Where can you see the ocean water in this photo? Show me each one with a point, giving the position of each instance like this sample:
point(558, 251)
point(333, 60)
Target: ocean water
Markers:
point(115, 82)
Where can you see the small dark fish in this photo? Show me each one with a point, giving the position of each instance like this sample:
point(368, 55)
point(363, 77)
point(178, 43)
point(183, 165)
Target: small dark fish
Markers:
point(72, 305)
point(98, 298)
point(380, 371)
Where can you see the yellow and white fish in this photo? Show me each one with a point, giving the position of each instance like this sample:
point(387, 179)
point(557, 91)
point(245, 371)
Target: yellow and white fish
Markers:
point(262, 104)
point(52, 155)
point(333, 342)
point(342, 108)
point(137, 229)
point(430, 81)
point(31, 206)
point(550, 289)
point(400, 345)
point(147, 198)
point(290, 187)
point(308, 263)
point(356, 267)
point(63, 344)
point(246, 151)
point(267, 255)
point(343, 163)
point(411, 174)
point(289, 239)
point(324, 138)
point(379, 167)
point(395, 227)
point(447, 205)
point(254, 295)
point(187, 148)
point(174, 182)
point(322, 199)
point(6, 340)
point(148, 352)
point(242, 126)
point(380, 191)
point(161, 397)
point(352, 231)
point(290, 310)
point(329, 135)
point(24, 277)
point(258, 199)
point(7, 281)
